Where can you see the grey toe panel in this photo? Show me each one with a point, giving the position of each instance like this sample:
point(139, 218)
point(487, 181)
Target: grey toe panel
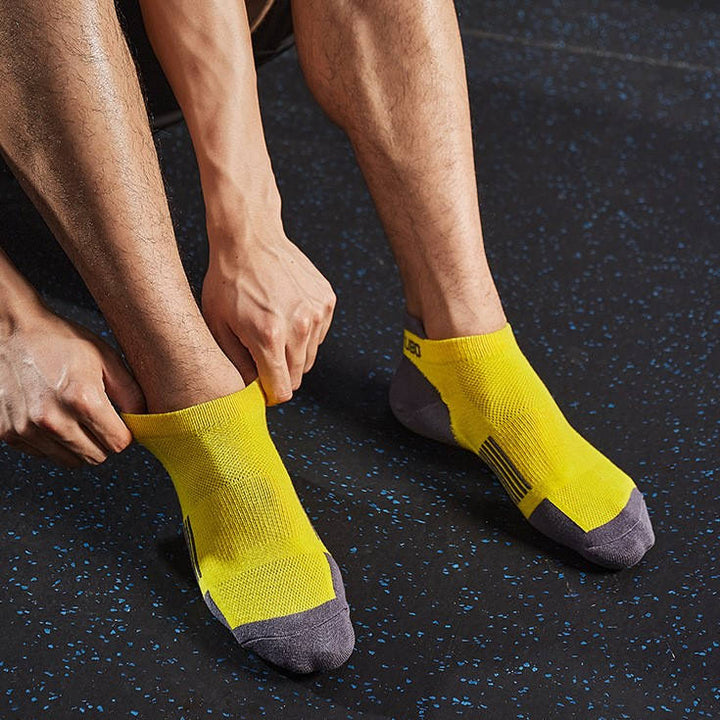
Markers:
point(620, 543)
point(314, 647)
point(215, 610)
point(321, 638)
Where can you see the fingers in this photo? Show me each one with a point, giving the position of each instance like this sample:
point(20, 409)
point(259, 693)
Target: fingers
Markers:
point(63, 409)
point(272, 367)
point(282, 359)
point(82, 426)
point(102, 428)
point(295, 355)
point(120, 385)
point(86, 448)
point(237, 353)
point(319, 330)
point(23, 447)
point(278, 348)
point(328, 316)
point(88, 438)
point(55, 432)
point(44, 447)
point(316, 337)
point(281, 363)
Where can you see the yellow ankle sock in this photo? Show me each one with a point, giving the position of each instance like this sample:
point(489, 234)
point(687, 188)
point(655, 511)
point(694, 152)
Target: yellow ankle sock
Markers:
point(499, 408)
point(261, 567)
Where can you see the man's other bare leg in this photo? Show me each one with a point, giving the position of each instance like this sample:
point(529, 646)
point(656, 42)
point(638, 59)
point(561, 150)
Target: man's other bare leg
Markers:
point(73, 128)
point(392, 75)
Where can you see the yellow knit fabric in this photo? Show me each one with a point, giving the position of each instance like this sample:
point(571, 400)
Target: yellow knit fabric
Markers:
point(251, 543)
point(491, 390)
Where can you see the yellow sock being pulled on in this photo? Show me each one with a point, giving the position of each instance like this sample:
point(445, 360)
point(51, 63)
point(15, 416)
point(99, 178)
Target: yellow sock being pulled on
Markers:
point(262, 569)
point(481, 393)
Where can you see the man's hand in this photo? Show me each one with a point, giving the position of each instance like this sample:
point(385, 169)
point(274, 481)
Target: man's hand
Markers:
point(57, 381)
point(264, 301)
point(269, 309)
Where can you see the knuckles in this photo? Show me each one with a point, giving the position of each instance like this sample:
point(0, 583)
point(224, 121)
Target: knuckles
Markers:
point(270, 335)
point(331, 301)
point(46, 419)
point(303, 324)
point(313, 315)
point(42, 415)
point(81, 399)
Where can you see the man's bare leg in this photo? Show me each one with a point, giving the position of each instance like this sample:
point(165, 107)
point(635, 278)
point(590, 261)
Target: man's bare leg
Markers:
point(392, 75)
point(74, 129)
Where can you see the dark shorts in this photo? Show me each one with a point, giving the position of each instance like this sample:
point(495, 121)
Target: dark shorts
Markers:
point(272, 34)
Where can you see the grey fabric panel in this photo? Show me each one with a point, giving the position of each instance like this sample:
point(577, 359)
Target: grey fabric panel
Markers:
point(321, 638)
point(418, 405)
point(620, 543)
point(318, 644)
point(215, 610)
point(415, 326)
point(415, 402)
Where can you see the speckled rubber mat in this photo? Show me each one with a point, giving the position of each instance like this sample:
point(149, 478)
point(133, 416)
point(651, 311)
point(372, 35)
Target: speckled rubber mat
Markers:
point(596, 129)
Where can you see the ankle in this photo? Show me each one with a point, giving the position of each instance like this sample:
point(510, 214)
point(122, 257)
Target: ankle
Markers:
point(463, 325)
point(478, 317)
point(455, 304)
point(184, 384)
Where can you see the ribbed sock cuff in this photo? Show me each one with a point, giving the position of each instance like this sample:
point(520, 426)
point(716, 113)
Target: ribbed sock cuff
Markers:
point(248, 403)
point(469, 348)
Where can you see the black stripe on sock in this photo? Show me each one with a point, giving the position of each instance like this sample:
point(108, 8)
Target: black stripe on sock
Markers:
point(510, 477)
point(500, 473)
point(524, 483)
point(505, 471)
point(508, 467)
point(190, 539)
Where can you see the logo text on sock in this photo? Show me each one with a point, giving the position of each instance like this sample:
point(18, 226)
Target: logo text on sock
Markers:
point(412, 347)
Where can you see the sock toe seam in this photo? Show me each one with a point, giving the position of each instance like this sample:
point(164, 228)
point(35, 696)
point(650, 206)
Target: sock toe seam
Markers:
point(246, 643)
point(614, 540)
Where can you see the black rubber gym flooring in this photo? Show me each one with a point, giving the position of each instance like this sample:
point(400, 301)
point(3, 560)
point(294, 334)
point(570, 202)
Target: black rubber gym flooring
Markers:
point(596, 128)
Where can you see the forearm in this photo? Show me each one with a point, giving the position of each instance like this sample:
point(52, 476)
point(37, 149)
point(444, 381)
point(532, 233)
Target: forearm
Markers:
point(268, 307)
point(206, 53)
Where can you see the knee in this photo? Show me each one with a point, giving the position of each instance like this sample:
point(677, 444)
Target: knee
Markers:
point(338, 46)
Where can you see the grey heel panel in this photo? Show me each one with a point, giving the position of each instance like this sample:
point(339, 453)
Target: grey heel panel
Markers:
point(418, 405)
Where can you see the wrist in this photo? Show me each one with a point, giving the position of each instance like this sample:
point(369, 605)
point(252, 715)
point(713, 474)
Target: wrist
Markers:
point(19, 307)
point(242, 218)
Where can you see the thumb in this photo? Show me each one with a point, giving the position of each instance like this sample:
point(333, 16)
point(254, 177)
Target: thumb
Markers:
point(120, 385)
point(237, 353)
